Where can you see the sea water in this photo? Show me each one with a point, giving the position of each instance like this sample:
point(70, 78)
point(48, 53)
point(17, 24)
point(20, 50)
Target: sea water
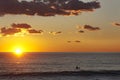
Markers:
point(51, 62)
point(57, 62)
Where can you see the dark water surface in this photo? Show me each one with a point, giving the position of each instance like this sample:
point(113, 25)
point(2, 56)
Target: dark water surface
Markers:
point(56, 62)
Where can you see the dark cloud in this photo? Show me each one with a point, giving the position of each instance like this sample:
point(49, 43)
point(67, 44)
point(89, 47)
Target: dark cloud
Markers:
point(79, 5)
point(35, 31)
point(19, 28)
point(91, 28)
point(77, 41)
point(9, 31)
point(116, 24)
point(55, 33)
point(23, 25)
point(69, 41)
point(81, 31)
point(46, 8)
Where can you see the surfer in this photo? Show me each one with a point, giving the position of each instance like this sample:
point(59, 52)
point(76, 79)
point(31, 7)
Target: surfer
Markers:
point(77, 67)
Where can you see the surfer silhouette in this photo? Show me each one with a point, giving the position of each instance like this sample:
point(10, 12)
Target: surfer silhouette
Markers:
point(77, 67)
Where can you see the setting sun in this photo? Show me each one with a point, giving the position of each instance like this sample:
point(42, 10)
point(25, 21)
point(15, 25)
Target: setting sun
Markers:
point(18, 52)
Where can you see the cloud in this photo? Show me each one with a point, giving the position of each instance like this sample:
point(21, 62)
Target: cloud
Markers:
point(55, 33)
point(91, 28)
point(86, 27)
point(76, 41)
point(19, 28)
point(47, 8)
point(9, 31)
point(23, 25)
point(116, 24)
point(81, 31)
point(69, 41)
point(35, 31)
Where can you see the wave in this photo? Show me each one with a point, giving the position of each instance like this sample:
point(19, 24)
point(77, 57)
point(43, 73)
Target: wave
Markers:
point(66, 73)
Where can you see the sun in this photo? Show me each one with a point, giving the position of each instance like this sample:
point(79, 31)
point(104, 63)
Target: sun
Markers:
point(18, 52)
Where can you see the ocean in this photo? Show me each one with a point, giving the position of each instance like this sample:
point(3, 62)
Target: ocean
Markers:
point(60, 66)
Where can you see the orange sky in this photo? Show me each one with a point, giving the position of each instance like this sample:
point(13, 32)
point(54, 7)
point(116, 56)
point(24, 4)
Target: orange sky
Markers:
point(61, 33)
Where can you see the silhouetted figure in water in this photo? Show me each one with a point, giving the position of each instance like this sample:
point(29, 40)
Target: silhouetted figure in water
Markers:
point(77, 68)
